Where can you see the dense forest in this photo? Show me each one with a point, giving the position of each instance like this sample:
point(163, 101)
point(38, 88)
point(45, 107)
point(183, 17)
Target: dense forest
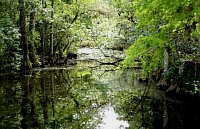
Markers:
point(72, 63)
point(163, 36)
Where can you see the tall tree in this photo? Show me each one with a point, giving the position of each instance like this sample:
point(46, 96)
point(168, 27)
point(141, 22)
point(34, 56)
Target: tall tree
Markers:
point(42, 31)
point(51, 36)
point(26, 64)
point(31, 33)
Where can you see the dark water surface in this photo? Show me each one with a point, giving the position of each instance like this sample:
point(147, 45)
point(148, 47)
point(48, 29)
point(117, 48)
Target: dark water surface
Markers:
point(84, 98)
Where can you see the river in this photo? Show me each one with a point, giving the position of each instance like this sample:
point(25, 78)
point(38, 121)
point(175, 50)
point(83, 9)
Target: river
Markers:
point(89, 95)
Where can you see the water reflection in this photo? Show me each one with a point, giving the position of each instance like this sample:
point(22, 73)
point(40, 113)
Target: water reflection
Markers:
point(75, 99)
point(152, 110)
point(110, 120)
point(50, 99)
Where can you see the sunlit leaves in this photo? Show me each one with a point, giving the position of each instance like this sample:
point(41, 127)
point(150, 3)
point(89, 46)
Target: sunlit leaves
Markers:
point(158, 24)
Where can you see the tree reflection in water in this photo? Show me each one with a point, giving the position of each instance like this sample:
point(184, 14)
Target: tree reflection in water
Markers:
point(61, 98)
point(51, 99)
point(110, 120)
point(146, 109)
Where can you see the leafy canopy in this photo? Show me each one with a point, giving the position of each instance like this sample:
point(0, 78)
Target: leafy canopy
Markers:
point(158, 24)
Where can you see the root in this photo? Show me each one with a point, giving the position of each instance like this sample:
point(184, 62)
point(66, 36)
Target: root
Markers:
point(175, 87)
point(162, 82)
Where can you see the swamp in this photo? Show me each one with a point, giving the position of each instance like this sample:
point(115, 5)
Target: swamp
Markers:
point(99, 64)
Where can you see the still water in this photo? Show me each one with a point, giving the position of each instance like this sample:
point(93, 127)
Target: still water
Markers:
point(90, 98)
point(68, 98)
point(110, 120)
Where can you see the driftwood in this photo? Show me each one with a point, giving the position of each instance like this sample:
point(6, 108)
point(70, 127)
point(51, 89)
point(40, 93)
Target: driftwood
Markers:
point(109, 63)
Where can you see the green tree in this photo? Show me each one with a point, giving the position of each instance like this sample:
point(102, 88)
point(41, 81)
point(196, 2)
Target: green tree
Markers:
point(52, 31)
point(32, 53)
point(169, 26)
point(10, 57)
point(26, 64)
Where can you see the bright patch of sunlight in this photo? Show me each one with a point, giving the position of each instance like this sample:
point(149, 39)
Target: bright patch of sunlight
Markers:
point(110, 120)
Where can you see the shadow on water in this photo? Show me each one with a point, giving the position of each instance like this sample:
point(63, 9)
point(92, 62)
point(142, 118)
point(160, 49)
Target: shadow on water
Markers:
point(150, 109)
point(89, 99)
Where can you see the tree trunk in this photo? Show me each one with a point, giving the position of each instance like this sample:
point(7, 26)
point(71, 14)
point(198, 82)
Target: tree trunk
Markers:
point(43, 34)
point(24, 103)
point(51, 36)
point(165, 115)
point(12, 11)
point(53, 102)
point(33, 106)
point(31, 30)
point(163, 81)
point(26, 64)
point(44, 100)
point(166, 61)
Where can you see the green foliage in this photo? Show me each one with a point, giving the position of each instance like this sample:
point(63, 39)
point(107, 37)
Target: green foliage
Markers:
point(76, 24)
point(68, 1)
point(163, 25)
point(148, 50)
point(85, 19)
point(68, 24)
point(10, 57)
point(83, 73)
point(126, 22)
